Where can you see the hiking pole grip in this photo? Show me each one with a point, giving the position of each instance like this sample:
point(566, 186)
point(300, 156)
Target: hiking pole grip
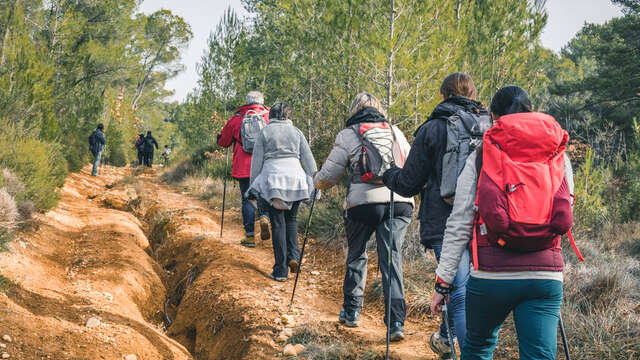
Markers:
point(445, 315)
point(304, 245)
point(389, 247)
point(565, 342)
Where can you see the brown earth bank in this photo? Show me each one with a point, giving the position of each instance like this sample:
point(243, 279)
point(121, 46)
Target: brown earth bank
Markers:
point(129, 267)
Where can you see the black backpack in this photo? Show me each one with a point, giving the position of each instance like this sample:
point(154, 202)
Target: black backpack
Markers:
point(93, 141)
point(380, 150)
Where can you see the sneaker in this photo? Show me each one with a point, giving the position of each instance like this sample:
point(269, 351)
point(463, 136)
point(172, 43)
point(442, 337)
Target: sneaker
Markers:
point(277, 278)
point(439, 346)
point(293, 266)
point(248, 241)
point(349, 320)
point(397, 332)
point(265, 234)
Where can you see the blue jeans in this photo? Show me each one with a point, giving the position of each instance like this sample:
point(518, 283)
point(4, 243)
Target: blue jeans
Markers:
point(456, 305)
point(248, 211)
point(96, 163)
point(536, 311)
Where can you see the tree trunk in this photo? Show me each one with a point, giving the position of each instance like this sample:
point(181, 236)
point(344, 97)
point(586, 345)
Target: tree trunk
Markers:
point(392, 53)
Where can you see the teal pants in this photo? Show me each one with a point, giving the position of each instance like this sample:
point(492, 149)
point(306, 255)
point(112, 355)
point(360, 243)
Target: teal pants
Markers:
point(536, 310)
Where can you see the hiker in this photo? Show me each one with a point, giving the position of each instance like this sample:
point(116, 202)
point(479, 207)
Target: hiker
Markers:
point(165, 155)
point(139, 145)
point(523, 181)
point(149, 143)
point(431, 171)
point(367, 211)
point(255, 115)
point(97, 142)
point(281, 171)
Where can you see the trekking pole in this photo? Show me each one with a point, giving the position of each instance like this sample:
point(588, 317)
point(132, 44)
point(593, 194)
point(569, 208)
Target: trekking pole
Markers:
point(389, 247)
point(565, 342)
point(224, 192)
point(445, 315)
point(304, 244)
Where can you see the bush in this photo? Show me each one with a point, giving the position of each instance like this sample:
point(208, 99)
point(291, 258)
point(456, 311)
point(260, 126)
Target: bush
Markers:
point(591, 185)
point(10, 182)
point(38, 164)
point(8, 211)
point(116, 151)
point(327, 224)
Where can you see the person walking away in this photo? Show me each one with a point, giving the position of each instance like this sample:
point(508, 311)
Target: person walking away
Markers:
point(281, 174)
point(367, 208)
point(520, 181)
point(165, 155)
point(231, 135)
point(97, 142)
point(149, 143)
point(438, 154)
point(139, 145)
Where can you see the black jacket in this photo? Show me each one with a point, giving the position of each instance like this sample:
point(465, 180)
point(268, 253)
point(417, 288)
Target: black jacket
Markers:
point(422, 171)
point(149, 141)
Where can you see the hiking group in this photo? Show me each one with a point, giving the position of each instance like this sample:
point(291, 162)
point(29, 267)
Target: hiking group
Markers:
point(495, 191)
point(145, 147)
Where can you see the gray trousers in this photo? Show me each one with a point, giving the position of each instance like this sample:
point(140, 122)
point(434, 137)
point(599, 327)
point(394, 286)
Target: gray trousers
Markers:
point(360, 223)
point(96, 163)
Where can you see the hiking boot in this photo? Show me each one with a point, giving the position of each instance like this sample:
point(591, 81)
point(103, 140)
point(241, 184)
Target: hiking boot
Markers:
point(277, 278)
point(439, 346)
point(265, 234)
point(248, 241)
point(293, 266)
point(349, 319)
point(397, 332)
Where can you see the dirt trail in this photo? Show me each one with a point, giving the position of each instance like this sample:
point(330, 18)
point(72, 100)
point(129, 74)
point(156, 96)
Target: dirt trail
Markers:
point(147, 261)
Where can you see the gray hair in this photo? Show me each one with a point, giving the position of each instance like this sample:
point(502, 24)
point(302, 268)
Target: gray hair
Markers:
point(363, 100)
point(255, 97)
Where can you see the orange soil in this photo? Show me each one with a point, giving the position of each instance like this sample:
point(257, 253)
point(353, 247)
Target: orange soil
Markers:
point(142, 256)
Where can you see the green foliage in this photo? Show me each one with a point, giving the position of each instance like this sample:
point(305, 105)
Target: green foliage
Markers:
point(591, 185)
point(39, 164)
point(327, 223)
point(4, 284)
point(116, 152)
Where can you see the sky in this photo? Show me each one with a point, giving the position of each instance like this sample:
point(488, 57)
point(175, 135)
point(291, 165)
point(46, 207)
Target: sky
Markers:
point(566, 18)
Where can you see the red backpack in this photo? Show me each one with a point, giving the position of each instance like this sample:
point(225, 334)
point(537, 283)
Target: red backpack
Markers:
point(523, 200)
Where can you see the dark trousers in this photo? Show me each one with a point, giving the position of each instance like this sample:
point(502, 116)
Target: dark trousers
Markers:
point(148, 158)
point(360, 223)
point(248, 211)
point(284, 236)
point(140, 158)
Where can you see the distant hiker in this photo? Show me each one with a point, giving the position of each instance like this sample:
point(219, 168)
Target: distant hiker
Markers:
point(523, 182)
point(140, 149)
point(367, 208)
point(438, 154)
point(165, 155)
point(281, 173)
point(240, 132)
point(97, 142)
point(149, 143)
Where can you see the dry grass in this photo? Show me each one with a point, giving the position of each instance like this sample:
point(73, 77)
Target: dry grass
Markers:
point(11, 183)
point(8, 211)
point(321, 344)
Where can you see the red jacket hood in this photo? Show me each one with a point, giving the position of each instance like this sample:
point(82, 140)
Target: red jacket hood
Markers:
point(528, 136)
point(256, 107)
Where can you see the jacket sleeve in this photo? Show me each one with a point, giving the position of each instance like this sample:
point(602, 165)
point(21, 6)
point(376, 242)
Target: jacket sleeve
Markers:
point(226, 137)
point(306, 157)
point(156, 143)
point(257, 158)
point(409, 180)
point(335, 166)
point(101, 138)
point(460, 223)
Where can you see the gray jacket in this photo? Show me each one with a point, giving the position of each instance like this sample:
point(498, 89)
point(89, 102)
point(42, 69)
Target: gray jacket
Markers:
point(460, 223)
point(279, 140)
point(344, 158)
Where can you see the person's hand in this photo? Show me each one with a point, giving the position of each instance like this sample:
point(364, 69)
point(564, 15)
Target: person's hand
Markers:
point(436, 303)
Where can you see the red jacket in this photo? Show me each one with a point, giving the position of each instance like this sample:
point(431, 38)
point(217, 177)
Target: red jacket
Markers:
point(230, 135)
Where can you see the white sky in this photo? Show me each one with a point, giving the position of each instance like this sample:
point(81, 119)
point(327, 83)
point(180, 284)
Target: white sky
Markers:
point(566, 18)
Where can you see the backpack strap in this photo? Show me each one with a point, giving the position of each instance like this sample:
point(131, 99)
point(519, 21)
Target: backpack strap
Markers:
point(575, 247)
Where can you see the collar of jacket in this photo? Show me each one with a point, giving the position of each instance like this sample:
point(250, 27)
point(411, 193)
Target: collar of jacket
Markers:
point(367, 114)
point(280, 121)
point(450, 106)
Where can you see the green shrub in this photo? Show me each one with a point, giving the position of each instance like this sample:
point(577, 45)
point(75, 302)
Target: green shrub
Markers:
point(116, 150)
point(591, 185)
point(4, 284)
point(39, 165)
point(327, 224)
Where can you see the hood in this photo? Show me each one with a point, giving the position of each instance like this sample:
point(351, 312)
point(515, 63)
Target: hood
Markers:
point(256, 107)
point(450, 106)
point(528, 136)
point(367, 114)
